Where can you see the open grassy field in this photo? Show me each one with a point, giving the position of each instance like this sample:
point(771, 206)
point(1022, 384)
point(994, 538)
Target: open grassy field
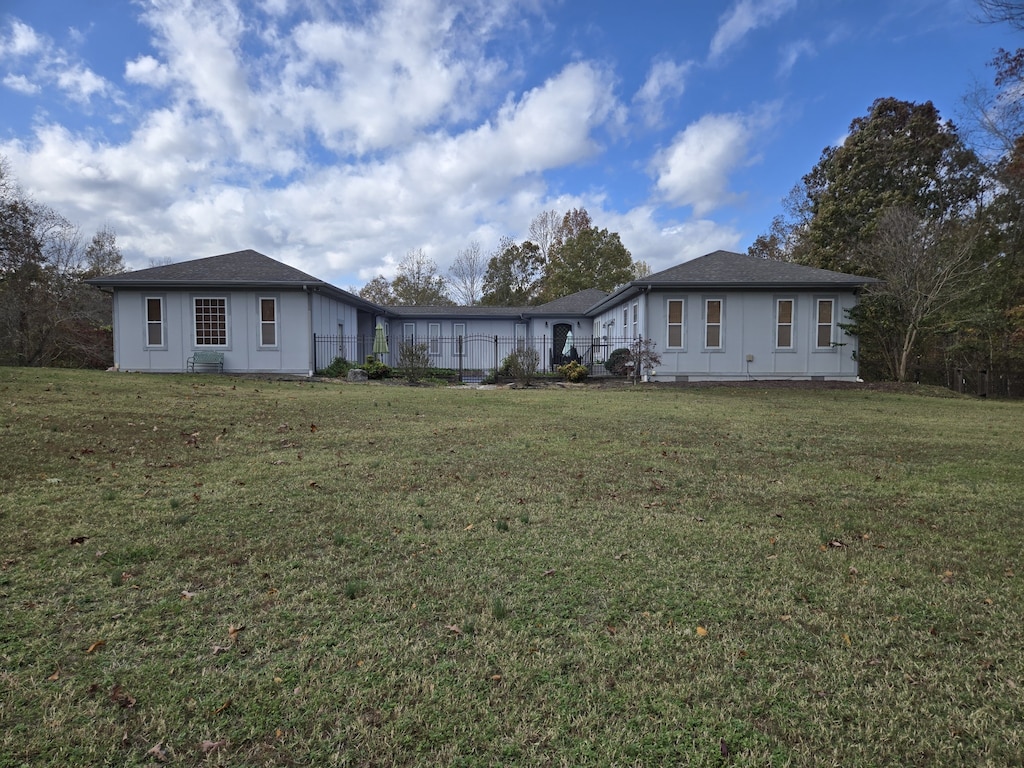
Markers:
point(216, 571)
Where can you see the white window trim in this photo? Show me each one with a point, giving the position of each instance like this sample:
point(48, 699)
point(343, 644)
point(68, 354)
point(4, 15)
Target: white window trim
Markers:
point(681, 324)
point(831, 346)
point(791, 323)
point(434, 338)
point(720, 323)
point(161, 324)
point(409, 332)
point(274, 323)
point(458, 329)
point(227, 323)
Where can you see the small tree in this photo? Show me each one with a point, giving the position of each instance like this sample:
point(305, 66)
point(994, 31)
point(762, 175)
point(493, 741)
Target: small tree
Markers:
point(521, 365)
point(413, 360)
point(643, 357)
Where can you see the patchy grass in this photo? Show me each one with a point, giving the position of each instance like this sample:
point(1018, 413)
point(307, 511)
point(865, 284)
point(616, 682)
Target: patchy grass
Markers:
point(208, 570)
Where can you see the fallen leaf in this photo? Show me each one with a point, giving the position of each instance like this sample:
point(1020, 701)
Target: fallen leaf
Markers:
point(496, 678)
point(120, 696)
point(549, 572)
point(233, 632)
point(186, 595)
point(701, 632)
point(219, 649)
point(846, 639)
point(222, 707)
point(454, 629)
point(157, 752)
point(96, 646)
point(837, 544)
point(785, 617)
point(210, 746)
point(469, 527)
point(312, 427)
point(55, 676)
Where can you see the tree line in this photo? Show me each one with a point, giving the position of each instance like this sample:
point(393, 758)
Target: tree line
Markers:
point(908, 200)
point(48, 316)
point(563, 254)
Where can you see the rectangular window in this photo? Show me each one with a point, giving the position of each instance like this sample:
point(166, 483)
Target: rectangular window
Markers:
point(409, 332)
point(636, 320)
point(434, 338)
point(675, 323)
point(625, 322)
point(459, 342)
point(520, 335)
point(268, 322)
point(211, 316)
point(154, 321)
point(713, 324)
point(784, 324)
point(825, 321)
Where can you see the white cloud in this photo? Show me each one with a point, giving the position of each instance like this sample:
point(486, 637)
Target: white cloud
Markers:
point(147, 71)
point(666, 80)
point(746, 16)
point(21, 84)
point(694, 170)
point(791, 54)
point(81, 83)
point(21, 41)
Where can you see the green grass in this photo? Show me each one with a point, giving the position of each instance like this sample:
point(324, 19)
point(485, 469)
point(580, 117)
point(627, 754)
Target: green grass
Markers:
point(218, 571)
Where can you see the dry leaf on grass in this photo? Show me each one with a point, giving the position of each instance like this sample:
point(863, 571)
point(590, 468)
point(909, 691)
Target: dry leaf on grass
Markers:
point(210, 746)
point(701, 632)
point(233, 632)
point(157, 752)
point(96, 646)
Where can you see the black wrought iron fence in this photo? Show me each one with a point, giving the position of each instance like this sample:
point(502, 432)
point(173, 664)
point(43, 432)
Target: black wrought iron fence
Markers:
point(472, 355)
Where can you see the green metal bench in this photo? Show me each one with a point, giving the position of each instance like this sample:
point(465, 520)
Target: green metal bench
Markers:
point(206, 359)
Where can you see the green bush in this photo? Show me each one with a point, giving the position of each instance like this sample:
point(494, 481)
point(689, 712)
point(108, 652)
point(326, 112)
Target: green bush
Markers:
point(338, 368)
point(375, 369)
point(573, 371)
point(521, 366)
point(617, 360)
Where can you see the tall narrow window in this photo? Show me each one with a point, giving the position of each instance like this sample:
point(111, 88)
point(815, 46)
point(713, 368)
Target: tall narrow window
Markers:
point(636, 320)
point(675, 323)
point(409, 332)
point(826, 318)
point(268, 322)
point(713, 324)
point(784, 324)
point(625, 322)
point(520, 335)
point(154, 321)
point(211, 318)
point(434, 338)
point(459, 342)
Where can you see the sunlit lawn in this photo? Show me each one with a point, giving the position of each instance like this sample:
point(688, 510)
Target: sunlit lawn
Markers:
point(219, 571)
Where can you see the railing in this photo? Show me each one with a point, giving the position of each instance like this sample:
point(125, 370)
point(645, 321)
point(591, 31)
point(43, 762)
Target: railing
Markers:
point(473, 354)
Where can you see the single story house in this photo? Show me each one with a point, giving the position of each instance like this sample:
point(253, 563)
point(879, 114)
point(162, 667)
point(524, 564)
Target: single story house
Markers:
point(723, 316)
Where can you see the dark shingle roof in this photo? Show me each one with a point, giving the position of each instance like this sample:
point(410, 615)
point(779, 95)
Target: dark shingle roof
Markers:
point(727, 269)
point(239, 268)
point(573, 304)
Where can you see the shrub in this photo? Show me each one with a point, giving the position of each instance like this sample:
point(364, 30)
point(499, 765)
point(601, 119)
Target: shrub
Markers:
point(521, 365)
point(617, 360)
point(375, 369)
point(573, 371)
point(338, 368)
point(413, 360)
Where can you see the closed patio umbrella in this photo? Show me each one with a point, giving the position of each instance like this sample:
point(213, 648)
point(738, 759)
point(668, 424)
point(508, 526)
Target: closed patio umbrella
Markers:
point(380, 341)
point(567, 349)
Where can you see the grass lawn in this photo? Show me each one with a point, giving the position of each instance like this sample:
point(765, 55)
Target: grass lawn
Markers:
point(203, 570)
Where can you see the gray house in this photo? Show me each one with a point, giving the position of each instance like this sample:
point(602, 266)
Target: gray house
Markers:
point(256, 313)
point(724, 316)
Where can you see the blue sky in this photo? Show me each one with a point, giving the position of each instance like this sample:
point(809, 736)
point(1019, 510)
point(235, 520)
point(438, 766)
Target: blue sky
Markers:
point(337, 135)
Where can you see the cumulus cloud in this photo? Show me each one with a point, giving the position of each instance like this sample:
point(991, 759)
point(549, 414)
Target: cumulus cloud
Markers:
point(21, 84)
point(666, 80)
point(694, 170)
point(743, 18)
point(20, 40)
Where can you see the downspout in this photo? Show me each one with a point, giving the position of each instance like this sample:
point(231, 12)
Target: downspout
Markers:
point(309, 325)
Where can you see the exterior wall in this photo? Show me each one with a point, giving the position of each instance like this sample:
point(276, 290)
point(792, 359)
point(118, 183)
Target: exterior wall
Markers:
point(243, 351)
point(749, 326)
